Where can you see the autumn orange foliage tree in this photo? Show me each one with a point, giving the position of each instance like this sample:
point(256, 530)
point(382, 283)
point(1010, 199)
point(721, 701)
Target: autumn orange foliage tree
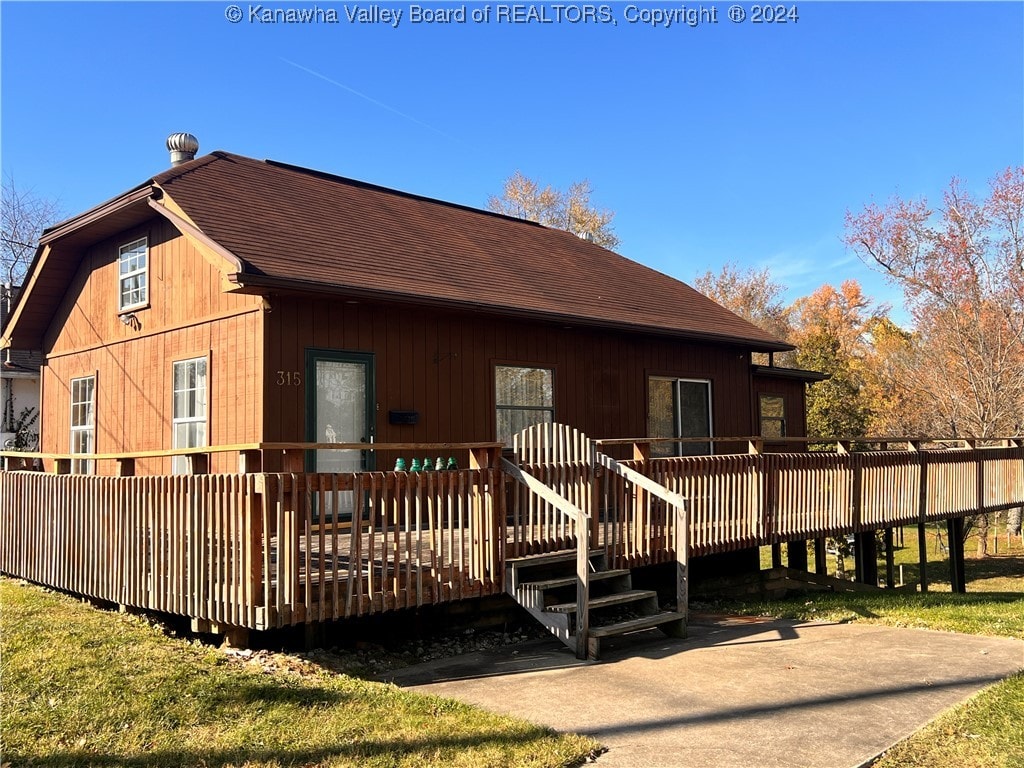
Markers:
point(961, 268)
point(831, 329)
point(753, 295)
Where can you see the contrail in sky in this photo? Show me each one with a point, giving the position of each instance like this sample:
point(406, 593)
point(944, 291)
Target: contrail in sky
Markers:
point(364, 96)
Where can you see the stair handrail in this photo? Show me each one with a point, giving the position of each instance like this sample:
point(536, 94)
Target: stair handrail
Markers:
point(582, 520)
point(681, 544)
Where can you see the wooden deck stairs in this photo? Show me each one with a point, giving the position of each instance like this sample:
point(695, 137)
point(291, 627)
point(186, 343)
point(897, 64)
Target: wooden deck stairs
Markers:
point(545, 585)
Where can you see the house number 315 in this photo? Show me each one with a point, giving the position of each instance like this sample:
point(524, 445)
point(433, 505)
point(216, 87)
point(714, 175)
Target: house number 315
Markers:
point(289, 379)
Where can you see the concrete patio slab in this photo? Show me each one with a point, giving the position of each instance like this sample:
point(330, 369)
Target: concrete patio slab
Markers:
point(737, 692)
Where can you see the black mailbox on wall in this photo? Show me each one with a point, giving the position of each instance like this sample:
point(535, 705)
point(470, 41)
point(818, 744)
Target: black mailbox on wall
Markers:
point(403, 417)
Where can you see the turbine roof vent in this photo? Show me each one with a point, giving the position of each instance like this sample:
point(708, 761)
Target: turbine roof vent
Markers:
point(183, 147)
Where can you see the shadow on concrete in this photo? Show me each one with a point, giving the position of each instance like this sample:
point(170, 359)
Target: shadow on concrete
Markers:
point(705, 631)
point(737, 692)
point(791, 705)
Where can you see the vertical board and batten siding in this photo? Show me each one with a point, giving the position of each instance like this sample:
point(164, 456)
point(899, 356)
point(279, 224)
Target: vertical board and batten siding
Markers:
point(189, 315)
point(441, 364)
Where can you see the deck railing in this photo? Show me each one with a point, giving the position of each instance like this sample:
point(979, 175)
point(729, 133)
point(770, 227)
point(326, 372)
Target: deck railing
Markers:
point(188, 545)
point(258, 550)
point(342, 545)
point(265, 549)
point(738, 501)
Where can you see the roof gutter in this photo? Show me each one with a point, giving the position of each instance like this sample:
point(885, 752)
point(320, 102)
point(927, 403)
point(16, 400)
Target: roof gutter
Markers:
point(263, 284)
point(93, 215)
point(799, 374)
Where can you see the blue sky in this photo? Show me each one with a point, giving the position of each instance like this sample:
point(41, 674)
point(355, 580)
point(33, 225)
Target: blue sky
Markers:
point(719, 142)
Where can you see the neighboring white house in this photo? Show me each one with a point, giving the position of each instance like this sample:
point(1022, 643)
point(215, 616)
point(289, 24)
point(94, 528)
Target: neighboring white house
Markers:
point(19, 381)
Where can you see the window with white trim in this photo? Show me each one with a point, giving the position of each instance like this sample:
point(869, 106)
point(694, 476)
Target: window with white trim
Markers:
point(188, 420)
point(679, 408)
point(524, 397)
point(132, 275)
point(83, 423)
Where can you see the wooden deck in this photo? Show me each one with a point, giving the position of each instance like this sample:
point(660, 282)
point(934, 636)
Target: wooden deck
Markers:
point(250, 550)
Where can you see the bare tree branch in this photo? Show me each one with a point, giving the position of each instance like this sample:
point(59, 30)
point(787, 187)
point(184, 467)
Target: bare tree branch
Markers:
point(24, 216)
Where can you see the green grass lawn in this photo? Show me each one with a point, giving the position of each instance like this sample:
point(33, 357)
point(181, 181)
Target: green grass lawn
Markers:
point(989, 574)
point(988, 730)
point(84, 687)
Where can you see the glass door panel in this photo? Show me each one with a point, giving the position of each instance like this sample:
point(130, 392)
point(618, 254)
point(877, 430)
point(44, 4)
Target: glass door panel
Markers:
point(678, 408)
point(340, 409)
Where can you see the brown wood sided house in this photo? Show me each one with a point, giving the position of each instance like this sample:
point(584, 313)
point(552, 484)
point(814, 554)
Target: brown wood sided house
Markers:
point(229, 300)
point(221, 342)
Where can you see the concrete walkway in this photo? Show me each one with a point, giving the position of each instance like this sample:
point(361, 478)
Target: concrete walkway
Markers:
point(738, 692)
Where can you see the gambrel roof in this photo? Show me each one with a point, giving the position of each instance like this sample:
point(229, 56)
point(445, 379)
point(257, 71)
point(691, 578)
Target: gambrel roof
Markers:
point(280, 227)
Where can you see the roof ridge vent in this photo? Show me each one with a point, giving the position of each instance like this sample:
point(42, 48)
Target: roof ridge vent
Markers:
point(183, 147)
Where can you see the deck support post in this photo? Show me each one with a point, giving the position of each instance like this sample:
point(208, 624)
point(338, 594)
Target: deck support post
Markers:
point(198, 463)
point(820, 562)
point(484, 458)
point(890, 560)
point(293, 460)
point(236, 637)
point(796, 555)
point(313, 635)
point(955, 531)
point(922, 555)
point(582, 594)
point(776, 555)
point(249, 462)
point(922, 511)
point(641, 452)
point(682, 548)
point(865, 552)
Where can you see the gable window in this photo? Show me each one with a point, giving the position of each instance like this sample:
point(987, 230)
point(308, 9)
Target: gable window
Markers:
point(679, 408)
point(132, 262)
point(773, 415)
point(83, 423)
point(524, 397)
point(188, 420)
